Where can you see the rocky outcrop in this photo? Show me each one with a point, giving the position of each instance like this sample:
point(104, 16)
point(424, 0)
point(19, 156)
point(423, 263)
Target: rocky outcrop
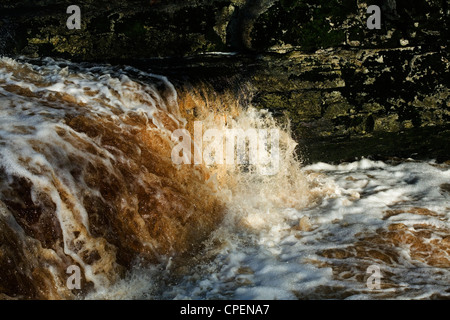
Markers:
point(341, 103)
point(392, 98)
point(348, 90)
point(310, 25)
point(137, 29)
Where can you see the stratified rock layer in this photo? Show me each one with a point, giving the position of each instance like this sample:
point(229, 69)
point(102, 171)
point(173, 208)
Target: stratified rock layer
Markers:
point(349, 91)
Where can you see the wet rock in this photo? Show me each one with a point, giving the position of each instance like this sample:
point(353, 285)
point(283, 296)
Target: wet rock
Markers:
point(347, 90)
point(113, 29)
point(304, 224)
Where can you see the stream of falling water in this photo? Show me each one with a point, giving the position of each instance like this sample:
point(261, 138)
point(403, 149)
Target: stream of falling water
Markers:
point(87, 179)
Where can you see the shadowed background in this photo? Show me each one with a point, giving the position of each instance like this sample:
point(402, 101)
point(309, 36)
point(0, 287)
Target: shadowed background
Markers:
point(347, 90)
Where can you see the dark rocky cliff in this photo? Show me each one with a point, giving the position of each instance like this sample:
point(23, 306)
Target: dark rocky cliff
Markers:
point(136, 28)
point(349, 91)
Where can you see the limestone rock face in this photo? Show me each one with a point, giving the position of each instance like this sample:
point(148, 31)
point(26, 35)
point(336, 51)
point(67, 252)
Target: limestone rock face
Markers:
point(396, 99)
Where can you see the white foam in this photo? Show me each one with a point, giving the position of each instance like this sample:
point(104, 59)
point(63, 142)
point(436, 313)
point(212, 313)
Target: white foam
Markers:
point(271, 262)
point(31, 119)
point(262, 253)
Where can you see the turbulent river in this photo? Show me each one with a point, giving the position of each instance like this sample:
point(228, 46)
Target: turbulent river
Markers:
point(87, 179)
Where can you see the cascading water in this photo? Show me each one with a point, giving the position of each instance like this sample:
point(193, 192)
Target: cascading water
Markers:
point(87, 179)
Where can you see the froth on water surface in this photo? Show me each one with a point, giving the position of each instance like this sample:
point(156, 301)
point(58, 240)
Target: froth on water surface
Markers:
point(391, 217)
point(87, 179)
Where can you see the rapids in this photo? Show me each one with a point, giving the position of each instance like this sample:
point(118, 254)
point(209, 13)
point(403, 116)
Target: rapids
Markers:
point(87, 179)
